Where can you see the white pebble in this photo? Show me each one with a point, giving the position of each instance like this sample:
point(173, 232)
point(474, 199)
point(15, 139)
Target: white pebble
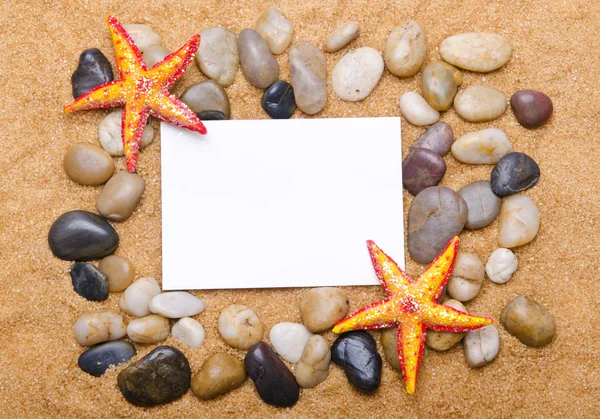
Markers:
point(405, 49)
point(519, 221)
point(482, 147)
point(188, 331)
point(355, 76)
point(99, 326)
point(289, 339)
point(148, 329)
point(218, 56)
point(176, 304)
point(240, 327)
point(275, 29)
point(154, 54)
point(416, 110)
point(109, 132)
point(341, 37)
point(467, 277)
point(143, 35)
point(136, 298)
point(481, 346)
point(501, 265)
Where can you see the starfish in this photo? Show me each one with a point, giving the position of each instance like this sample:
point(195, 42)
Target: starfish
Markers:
point(411, 305)
point(142, 91)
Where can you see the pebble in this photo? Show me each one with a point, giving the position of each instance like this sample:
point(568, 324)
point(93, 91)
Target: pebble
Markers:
point(176, 304)
point(483, 204)
point(389, 341)
point(482, 147)
point(476, 51)
point(481, 346)
point(531, 108)
point(275, 29)
point(288, 340)
point(189, 331)
point(356, 352)
point(81, 236)
point(321, 308)
point(528, 321)
point(480, 104)
point(121, 194)
point(308, 72)
point(514, 173)
point(443, 341)
point(278, 100)
point(355, 76)
point(467, 277)
point(519, 221)
point(88, 165)
point(258, 64)
point(148, 329)
point(436, 215)
point(136, 298)
point(438, 137)
point(160, 377)
point(275, 383)
point(416, 110)
point(207, 96)
point(218, 56)
point(341, 37)
point(440, 84)
point(240, 327)
point(143, 35)
point(313, 367)
point(211, 116)
point(154, 54)
point(405, 49)
point(89, 281)
point(109, 132)
point(119, 271)
point(96, 360)
point(220, 374)
point(501, 265)
point(93, 70)
point(98, 326)
point(421, 169)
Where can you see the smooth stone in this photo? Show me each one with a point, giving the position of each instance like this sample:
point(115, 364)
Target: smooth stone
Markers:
point(528, 321)
point(482, 147)
point(436, 215)
point(189, 331)
point(96, 360)
point(481, 346)
point(81, 236)
point(154, 54)
point(443, 341)
point(480, 104)
point(501, 265)
point(218, 56)
point(240, 327)
point(439, 84)
point(438, 137)
point(89, 281)
point(356, 352)
point(405, 49)
point(136, 298)
point(211, 116)
point(476, 51)
point(321, 308)
point(98, 326)
point(275, 383)
point(483, 204)
point(514, 173)
point(341, 36)
point(519, 221)
point(422, 169)
point(416, 110)
point(93, 70)
point(207, 96)
point(308, 72)
point(119, 271)
point(275, 29)
point(313, 367)
point(389, 341)
point(278, 100)
point(88, 165)
point(121, 194)
point(355, 76)
point(160, 377)
point(220, 374)
point(531, 108)
point(176, 304)
point(148, 329)
point(258, 64)
point(143, 35)
point(288, 340)
point(467, 277)
point(109, 132)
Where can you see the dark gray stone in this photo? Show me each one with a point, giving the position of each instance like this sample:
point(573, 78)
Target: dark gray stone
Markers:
point(356, 352)
point(93, 70)
point(514, 173)
point(278, 100)
point(483, 204)
point(211, 116)
point(89, 281)
point(96, 360)
point(531, 108)
point(421, 169)
point(438, 137)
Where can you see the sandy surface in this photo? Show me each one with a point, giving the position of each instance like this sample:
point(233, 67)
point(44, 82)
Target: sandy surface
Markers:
point(555, 50)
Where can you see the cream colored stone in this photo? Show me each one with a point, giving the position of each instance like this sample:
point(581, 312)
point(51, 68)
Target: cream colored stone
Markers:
point(355, 76)
point(442, 341)
point(481, 346)
point(480, 103)
point(341, 37)
point(218, 56)
point(467, 277)
point(189, 331)
point(136, 298)
point(154, 54)
point(99, 326)
point(276, 29)
point(109, 132)
point(519, 221)
point(240, 327)
point(143, 35)
point(288, 340)
point(176, 304)
point(476, 51)
point(416, 110)
point(482, 147)
point(149, 329)
point(313, 367)
point(405, 49)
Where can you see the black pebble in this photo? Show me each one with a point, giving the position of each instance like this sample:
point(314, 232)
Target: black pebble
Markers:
point(211, 116)
point(278, 100)
point(96, 360)
point(89, 281)
point(357, 353)
point(514, 173)
point(93, 70)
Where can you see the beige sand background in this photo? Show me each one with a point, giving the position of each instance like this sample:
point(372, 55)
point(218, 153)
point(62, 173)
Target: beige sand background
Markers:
point(555, 50)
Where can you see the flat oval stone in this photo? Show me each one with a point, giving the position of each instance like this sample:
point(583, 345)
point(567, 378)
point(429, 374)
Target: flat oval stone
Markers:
point(88, 165)
point(275, 29)
point(482, 147)
point(81, 236)
point(514, 173)
point(288, 340)
point(89, 282)
point(220, 374)
point(439, 84)
point(443, 341)
point(313, 367)
point(98, 326)
point(189, 331)
point(155, 54)
point(119, 197)
point(519, 221)
point(481, 346)
point(528, 321)
point(501, 265)
point(483, 204)
point(438, 138)
point(436, 215)
point(355, 76)
point(240, 327)
point(416, 110)
point(321, 308)
point(405, 49)
point(258, 64)
point(467, 277)
point(218, 56)
point(480, 104)
point(160, 377)
point(389, 341)
point(211, 116)
point(476, 51)
point(309, 77)
point(278, 100)
point(531, 108)
point(356, 352)
point(119, 272)
point(275, 383)
point(207, 96)
point(176, 304)
point(421, 169)
point(341, 36)
point(148, 329)
point(109, 132)
point(143, 35)
point(136, 298)
point(96, 360)
point(93, 70)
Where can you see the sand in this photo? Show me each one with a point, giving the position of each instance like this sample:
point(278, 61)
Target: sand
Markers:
point(555, 50)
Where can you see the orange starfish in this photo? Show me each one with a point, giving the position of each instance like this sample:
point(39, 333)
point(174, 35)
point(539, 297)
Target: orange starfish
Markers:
point(411, 306)
point(142, 91)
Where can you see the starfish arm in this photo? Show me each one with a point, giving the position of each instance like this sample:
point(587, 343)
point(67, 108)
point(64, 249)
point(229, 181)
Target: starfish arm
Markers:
point(170, 109)
point(411, 340)
point(128, 56)
point(432, 281)
point(133, 122)
point(172, 66)
point(393, 279)
point(446, 319)
point(377, 315)
point(107, 95)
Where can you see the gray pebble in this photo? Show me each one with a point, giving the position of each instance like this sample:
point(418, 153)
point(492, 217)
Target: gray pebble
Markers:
point(484, 205)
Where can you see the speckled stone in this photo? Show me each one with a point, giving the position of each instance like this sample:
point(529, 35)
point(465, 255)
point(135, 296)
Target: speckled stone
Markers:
point(439, 84)
point(121, 194)
point(421, 169)
point(96, 360)
point(438, 138)
point(258, 64)
point(483, 204)
point(486, 146)
point(528, 321)
point(531, 108)
point(476, 51)
point(405, 49)
point(89, 281)
point(119, 271)
point(275, 29)
point(93, 70)
point(88, 165)
point(480, 104)
point(514, 173)
point(355, 76)
point(207, 96)
point(356, 352)
point(341, 37)
point(278, 100)
point(220, 374)
point(308, 70)
point(218, 56)
point(519, 221)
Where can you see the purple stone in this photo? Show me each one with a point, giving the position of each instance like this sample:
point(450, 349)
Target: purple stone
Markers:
point(421, 169)
point(531, 108)
point(438, 137)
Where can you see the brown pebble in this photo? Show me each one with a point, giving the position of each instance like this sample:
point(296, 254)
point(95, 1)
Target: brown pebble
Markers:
point(119, 272)
point(528, 321)
point(389, 341)
point(120, 196)
point(89, 165)
point(531, 108)
point(220, 374)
